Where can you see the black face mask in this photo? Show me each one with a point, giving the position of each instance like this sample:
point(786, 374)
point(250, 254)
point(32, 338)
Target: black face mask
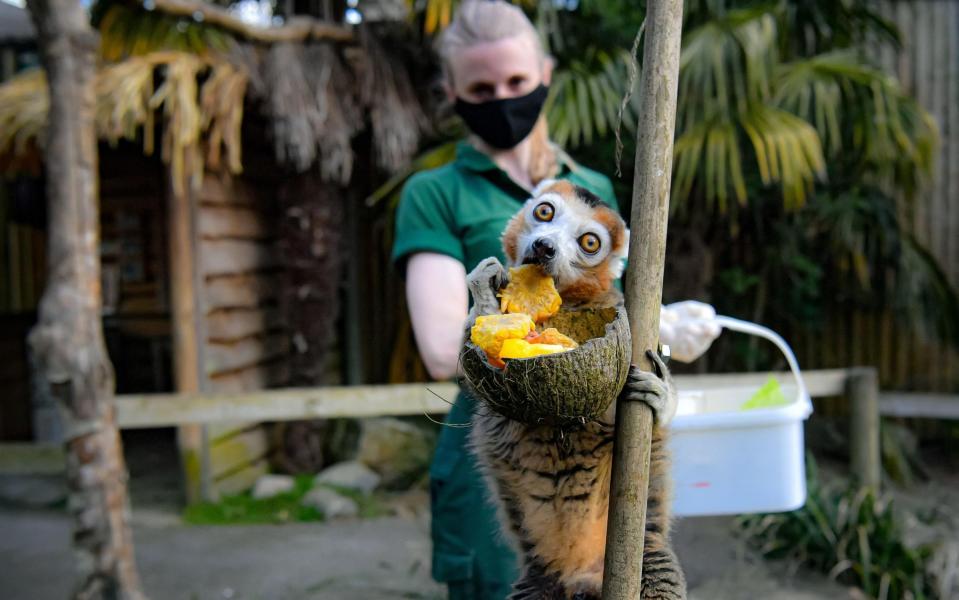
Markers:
point(503, 123)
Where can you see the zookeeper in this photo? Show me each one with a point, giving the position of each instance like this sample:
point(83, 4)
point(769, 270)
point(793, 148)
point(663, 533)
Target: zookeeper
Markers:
point(451, 218)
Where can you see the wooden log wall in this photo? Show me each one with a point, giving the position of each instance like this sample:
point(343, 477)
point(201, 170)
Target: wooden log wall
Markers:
point(244, 344)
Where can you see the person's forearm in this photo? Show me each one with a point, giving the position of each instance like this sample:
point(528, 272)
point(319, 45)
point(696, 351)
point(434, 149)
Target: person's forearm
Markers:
point(437, 347)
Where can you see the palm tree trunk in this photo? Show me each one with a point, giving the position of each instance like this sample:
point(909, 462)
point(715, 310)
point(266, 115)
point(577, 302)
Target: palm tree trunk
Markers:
point(67, 344)
point(311, 242)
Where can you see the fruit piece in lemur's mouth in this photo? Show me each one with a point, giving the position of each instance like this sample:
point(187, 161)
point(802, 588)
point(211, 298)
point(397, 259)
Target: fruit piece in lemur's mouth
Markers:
point(531, 291)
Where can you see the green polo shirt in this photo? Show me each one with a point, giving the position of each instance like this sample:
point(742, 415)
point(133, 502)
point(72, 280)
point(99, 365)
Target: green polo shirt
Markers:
point(461, 208)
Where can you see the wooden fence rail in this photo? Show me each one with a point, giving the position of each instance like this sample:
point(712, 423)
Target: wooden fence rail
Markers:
point(168, 410)
point(164, 410)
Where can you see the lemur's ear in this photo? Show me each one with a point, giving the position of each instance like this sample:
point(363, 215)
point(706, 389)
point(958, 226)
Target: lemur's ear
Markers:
point(542, 185)
point(617, 259)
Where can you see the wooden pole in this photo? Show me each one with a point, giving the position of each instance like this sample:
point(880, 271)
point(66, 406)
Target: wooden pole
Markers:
point(191, 438)
point(644, 291)
point(864, 452)
point(67, 343)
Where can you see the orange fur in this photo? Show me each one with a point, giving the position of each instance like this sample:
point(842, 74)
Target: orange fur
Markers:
point(614, 224)
point(562, 187)
point(510, 235)
point(593, 284)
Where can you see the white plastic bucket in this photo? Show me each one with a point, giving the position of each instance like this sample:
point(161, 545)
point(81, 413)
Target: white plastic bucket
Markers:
point(731, 461)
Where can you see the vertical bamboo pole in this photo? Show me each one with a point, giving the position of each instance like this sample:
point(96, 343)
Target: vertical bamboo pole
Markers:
point(644, 291)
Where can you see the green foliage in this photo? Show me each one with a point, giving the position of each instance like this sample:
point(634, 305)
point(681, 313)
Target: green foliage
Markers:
point(131, 31)
point(243, 508)
point(282, 508)
point(585, 98)
point(797, 159)
point(850, 533)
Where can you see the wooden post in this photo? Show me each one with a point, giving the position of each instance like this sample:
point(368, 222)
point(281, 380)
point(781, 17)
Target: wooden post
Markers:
point(67, 343)
point(864, 453)
point(644, 291)
point(186, 351)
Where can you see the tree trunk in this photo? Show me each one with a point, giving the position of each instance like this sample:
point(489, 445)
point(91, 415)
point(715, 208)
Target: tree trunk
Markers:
point(312, 245)
point(67, 343)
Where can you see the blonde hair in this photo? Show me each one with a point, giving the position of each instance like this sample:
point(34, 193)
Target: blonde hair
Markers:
point(482, 21)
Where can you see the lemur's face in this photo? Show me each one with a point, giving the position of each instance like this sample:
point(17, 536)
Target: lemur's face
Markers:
point(572, 236)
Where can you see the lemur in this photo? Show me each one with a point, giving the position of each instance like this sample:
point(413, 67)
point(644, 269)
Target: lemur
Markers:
point(552, 485)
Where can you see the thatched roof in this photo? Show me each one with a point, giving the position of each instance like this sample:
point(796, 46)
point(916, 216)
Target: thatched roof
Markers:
point(200, 121)
point(314, 99)
point(15, 25)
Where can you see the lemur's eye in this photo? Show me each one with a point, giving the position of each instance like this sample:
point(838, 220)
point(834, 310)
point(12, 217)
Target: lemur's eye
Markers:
point(544, 212)
point(590, 243)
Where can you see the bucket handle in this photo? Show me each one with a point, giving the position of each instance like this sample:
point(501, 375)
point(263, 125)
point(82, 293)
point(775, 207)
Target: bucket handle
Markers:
point(767, 333)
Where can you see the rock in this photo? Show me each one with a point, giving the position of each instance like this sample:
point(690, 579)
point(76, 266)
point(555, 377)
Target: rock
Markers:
point(352, 475)
point(33, 490)
point(331, 504)
point(268, 486)
point(399, 451)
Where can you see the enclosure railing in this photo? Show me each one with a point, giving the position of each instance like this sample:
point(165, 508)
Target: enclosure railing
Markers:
point(859, 385)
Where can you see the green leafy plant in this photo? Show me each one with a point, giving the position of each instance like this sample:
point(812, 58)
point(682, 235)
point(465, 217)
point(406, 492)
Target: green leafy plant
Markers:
point(797, 160)
point(282, 508)
point(850, 533)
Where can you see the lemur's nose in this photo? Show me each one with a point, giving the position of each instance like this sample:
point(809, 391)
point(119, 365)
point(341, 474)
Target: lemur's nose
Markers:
point(543, 249)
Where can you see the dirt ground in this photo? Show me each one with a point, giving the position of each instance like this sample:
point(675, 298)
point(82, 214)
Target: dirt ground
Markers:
point(347, 560)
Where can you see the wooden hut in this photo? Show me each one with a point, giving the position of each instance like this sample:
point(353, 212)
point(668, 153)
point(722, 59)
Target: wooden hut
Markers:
point(223, 172)
point(21, 246)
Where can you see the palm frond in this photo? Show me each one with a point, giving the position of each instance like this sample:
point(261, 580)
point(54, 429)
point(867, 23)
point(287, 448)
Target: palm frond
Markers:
point(924, 293)
point(888, 132)
point(725, 65)
point(787, 150)
point(129, 31)
point(710, 157)
point(811, 27)
point(585, 98)
point(862, 231)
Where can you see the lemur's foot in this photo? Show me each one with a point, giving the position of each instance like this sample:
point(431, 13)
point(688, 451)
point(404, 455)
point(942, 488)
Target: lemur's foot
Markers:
point(484, 282)
point(655, 389)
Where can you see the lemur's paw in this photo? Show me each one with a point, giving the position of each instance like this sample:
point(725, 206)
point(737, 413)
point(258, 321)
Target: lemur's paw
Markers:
point(655, 389)
point(484, 282)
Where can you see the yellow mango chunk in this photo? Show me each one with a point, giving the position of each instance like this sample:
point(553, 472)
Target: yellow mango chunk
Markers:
point(531, 291)
point(490, 332)
point(514, 348)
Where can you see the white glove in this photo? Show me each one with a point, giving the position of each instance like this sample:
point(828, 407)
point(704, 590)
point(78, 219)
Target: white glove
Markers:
point(688, 328)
